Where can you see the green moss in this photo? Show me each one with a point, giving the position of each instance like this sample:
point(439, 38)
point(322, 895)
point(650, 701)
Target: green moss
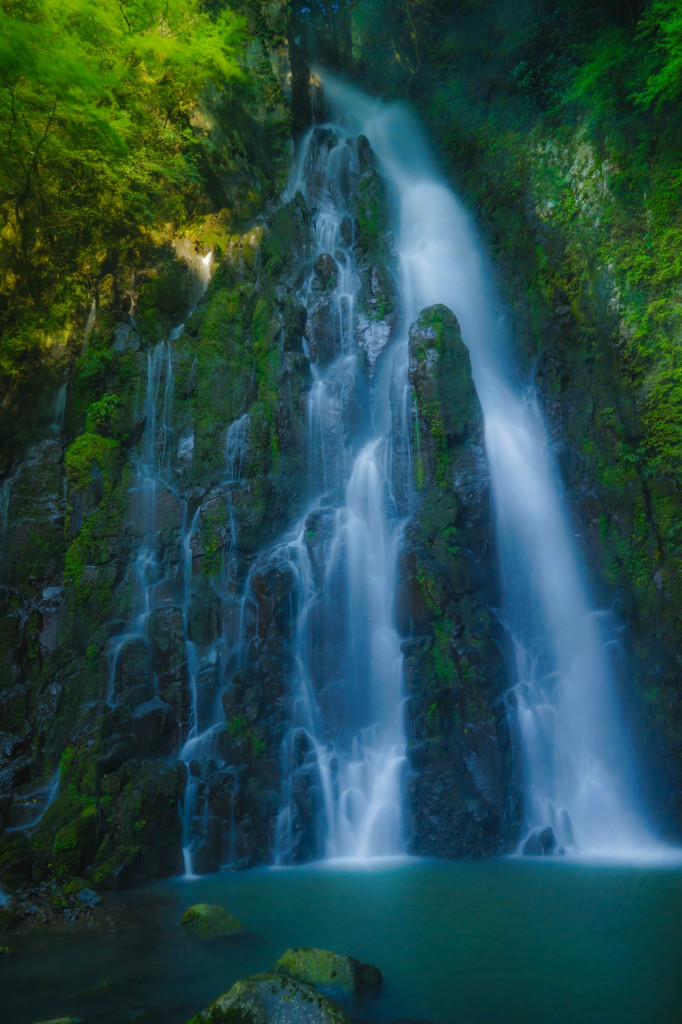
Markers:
point(324, 969)
point(103, 414)
point(372, 216)
point(75, 845)
point(86, 452)
point(117, 869)
point(16, 859)
point(205, 921)
point(237, 727)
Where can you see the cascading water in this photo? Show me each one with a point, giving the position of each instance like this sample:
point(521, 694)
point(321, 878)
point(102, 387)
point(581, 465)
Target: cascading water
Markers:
point(346, 742)
point(200, 749)
point(577, 760)
point(160, 577)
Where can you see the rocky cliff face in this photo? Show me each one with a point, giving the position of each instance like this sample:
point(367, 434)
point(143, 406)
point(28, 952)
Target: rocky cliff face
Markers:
point(579, 331)
point(145, 604)
point(149, 605)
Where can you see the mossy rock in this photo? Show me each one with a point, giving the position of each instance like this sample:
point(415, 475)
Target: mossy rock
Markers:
point(207, 921)
point(117, 869)
point(331, 971)
point(61, 1020)
point(76, 886)
point(271, 999)
point(8, 919)
point(16, 859)
point(75, 844)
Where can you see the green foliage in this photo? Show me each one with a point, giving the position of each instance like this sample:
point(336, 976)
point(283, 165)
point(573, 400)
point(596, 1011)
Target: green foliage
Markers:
point(83, 88)
point(237, 727)
point(661, 29)
point(100, 144)
point(101, 414)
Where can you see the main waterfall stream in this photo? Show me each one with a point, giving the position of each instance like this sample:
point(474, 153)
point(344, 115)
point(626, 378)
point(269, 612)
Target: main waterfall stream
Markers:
point(579, 770)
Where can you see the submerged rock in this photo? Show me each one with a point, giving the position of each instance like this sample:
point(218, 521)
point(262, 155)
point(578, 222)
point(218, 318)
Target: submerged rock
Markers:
point(327, 970)
point(272, 999)
point(207, 921)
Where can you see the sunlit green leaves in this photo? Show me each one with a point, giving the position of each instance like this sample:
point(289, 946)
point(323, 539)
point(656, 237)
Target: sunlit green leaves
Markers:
point(96, 133)
point(661, 27)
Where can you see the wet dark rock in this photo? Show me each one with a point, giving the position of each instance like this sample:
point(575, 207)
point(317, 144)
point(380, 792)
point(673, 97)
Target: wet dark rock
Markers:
point(458, 735)
point(16, 859)
point(326, 269)
point(221, 793)
point(169, 660)
point(89, 898)
point(319, 531)
point(541, 843)
point(145, 837)
point(272, 609)
point(322, 142)
point(155, 728)
point(377, 313)
point(323, 330)
point(133, 666)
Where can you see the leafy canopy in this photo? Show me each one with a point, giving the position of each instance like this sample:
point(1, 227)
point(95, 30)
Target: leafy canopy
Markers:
point(96, 101)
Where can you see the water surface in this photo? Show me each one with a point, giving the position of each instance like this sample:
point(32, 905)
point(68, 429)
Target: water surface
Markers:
point(496, 942)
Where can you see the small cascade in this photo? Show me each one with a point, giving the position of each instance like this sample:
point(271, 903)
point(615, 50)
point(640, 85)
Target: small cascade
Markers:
point(237, 449)
point(27, 810)
point(578, 764)
point(58, 411)
point(90, 321)
point(147, 568)
point(200, 752)
point(153, 663)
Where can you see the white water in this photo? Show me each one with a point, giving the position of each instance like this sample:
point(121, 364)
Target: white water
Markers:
point(345, 750)
point(579, 770)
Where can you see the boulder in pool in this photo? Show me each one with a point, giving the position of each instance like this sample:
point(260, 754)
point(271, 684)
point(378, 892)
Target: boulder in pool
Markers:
point(329, 971)
point(207, 921)
point(62, 1020)
point(541, 843)
point(272, 999)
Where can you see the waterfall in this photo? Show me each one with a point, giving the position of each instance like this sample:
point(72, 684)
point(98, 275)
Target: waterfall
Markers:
point(579, 768)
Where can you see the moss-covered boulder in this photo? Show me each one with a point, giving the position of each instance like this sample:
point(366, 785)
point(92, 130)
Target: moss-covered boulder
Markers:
point(461, 784)
point(443, 391)
point(207, 921)
point(271, 999)
point(75, 844)
point(329, 971)
point(16, 859)
point(61, 1020)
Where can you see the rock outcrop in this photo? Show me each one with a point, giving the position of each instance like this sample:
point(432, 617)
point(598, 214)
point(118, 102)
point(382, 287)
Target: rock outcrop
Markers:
point(461, 783)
